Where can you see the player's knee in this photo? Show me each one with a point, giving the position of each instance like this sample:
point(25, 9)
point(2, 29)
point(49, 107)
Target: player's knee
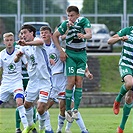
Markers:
point(1, 102)
point(19, 99)
point(128, 99)
point(19, 95)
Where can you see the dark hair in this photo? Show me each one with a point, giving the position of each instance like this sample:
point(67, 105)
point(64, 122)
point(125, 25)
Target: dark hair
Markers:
point(46, 28)
point(73, 8)
point(30, 28)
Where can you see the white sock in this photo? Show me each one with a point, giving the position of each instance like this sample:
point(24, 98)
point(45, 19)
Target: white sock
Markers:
point(80, 122)
point(68, 126)
point(22, 115)
point(41, 121)
point(29, 114)
point(47, 121)
point(61, 120)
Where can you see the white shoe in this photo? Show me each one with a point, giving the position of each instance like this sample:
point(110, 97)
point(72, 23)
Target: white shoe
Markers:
point(68, 116)
point(75, 114)
point(68, 131)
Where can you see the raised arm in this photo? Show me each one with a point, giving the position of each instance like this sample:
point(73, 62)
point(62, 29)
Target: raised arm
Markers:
point(116, 38)
point(56, 35)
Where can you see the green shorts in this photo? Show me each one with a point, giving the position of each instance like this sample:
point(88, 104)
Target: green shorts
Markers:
point(124, 70)
point(76, 63)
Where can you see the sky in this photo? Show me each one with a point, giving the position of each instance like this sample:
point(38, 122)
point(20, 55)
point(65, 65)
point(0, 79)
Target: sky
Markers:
point(77, 3)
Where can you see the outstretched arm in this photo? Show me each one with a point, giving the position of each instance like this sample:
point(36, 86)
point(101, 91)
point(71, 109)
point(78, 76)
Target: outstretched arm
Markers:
point(116, 38)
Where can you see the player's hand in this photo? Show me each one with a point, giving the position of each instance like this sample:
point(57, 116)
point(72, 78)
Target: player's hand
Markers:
point(19, 54)
point(21, 42)
point(63, 56)
point(80, 35)
point(123, 38)
point(52, 62)
point(89, 75)
point(70, 23)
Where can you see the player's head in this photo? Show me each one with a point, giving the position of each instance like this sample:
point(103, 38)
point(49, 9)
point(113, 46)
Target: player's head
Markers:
point(28, 32)
point(46, 33)
point(8, 39)
point(72, 13)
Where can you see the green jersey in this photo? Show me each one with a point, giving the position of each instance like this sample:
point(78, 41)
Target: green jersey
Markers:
point(127, 50)
point(72, 39)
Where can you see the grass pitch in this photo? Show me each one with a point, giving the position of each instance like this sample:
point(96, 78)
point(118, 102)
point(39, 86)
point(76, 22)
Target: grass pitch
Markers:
point(97, 120)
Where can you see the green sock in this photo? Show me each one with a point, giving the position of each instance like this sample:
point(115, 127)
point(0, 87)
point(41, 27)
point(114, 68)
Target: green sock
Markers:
point(77, 97)
point(68, 99)
point(34, 115)
point(18, 120)
point(122, 92)
point(126, 112)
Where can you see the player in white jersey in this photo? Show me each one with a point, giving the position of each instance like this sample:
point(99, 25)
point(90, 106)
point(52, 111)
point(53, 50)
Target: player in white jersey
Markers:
point(39, 76)
point(11, 76)
point(58, 79)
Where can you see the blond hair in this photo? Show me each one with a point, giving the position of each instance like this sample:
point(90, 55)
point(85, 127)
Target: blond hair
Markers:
point(7, 35)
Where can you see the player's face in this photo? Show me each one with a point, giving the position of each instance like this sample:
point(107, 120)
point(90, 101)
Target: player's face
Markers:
point(46, 35)
point(9, 41)
point(27, 35)
point(72, 16)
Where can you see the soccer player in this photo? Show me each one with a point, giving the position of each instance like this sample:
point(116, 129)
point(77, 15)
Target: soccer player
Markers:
point(25, 81)
point(58, 79)
point(12, 76)
point(39, 83)
point(78, 30)
point(126, 72)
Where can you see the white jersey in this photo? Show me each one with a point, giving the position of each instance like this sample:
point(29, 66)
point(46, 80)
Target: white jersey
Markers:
point(43, 68)
point(54, 54)
point(29, 52)
point(11, 71)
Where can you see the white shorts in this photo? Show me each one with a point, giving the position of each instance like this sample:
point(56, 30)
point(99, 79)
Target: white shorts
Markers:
point(8, 89)
point(38, 88)
point(59, 82)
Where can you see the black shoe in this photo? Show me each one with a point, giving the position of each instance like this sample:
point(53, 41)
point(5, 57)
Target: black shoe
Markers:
point(18, 130)
point(34, 131)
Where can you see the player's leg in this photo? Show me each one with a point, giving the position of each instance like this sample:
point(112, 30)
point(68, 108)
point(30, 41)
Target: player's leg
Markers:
point(126, 74)
point(29, 114)
point(81, 124)
point(126, 111)
point(70, 72)
point(18, 120)
point(61, 116)
point(19, 101)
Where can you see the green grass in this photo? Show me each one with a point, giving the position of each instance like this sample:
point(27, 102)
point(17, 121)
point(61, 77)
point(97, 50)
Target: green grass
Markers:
point(97, 120)
point(109, 74)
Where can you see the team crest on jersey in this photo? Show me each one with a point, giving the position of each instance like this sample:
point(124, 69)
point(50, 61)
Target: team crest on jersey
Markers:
point(53, 56)
point(11, 66)
point(32, 58)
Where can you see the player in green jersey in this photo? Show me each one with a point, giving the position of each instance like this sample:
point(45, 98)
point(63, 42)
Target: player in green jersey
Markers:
point(77, 30)
point(126, 72)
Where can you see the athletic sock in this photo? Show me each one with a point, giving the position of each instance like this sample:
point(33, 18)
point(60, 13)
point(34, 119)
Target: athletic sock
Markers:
point(77, 97)
point(122, 92)
point(18, 120)
point(80, 122)
point(22, 115)
point(126, 112)
point(47, 121)
point(34, 114)
point(29, 114)
point(41, 121)
point(68, 99)
point(61, 120)
point(68, 126)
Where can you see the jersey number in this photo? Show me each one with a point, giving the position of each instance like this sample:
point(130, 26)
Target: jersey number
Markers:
point(71, 69)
